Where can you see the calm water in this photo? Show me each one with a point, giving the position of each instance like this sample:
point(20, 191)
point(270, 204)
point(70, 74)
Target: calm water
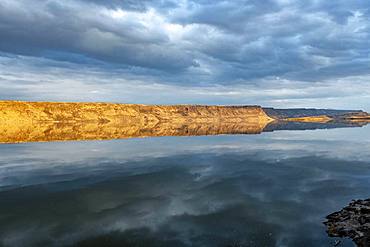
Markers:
point(273, 189)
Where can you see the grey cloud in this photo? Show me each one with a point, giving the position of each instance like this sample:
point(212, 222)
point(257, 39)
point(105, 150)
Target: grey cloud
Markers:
point(194, 43)
point(134, 5)
point(228, 15)
point(29, 78)
point(297, 41)
point(77, 28)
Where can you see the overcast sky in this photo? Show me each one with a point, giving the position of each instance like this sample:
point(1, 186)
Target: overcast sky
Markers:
point(281, 53)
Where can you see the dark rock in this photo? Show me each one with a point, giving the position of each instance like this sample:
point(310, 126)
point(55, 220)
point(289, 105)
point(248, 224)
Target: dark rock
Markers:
point(352, 221)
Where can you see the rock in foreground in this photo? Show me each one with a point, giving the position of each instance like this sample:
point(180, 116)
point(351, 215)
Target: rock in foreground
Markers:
point(352, 221)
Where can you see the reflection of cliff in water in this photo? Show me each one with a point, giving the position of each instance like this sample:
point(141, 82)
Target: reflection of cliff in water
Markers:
point(50, 131)
point(288, 125)
point(104, 131)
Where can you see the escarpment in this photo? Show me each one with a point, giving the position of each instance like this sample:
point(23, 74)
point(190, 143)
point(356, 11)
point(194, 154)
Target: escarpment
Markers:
point(317, 115)
point(52, 121)
point(16, 111)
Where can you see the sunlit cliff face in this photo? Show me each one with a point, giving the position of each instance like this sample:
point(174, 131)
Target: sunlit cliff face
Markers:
point(51, 121)
point(26, 121)
point(294, 53)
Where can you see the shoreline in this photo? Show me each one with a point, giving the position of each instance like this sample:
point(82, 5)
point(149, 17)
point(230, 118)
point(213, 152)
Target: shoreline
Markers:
point(22, 121)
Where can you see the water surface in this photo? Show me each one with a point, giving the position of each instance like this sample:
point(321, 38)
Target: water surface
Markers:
point(273, 189)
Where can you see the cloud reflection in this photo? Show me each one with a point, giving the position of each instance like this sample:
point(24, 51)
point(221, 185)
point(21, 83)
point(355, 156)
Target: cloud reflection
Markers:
point(264, 196)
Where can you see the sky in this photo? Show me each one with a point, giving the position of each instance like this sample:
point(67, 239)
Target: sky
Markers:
point(277, 53)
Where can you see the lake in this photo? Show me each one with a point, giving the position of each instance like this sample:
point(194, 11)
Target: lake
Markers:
point(271, 189)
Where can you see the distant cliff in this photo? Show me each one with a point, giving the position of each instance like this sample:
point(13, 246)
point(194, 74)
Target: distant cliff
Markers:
point(316, 115)
point(53, 121)
point(307, 112)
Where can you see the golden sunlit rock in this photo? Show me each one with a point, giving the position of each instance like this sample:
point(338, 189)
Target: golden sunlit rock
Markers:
point(50, 121)
point(314, 119)
point(53, 121)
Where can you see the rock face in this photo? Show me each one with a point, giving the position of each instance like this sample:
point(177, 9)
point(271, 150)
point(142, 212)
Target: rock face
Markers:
point(307, 112)
point(317, 115)
point(311, 119)
point(107, 112)
point(50, 121)
point(352, 221)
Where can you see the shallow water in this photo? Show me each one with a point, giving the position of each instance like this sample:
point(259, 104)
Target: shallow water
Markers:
point(272, 189)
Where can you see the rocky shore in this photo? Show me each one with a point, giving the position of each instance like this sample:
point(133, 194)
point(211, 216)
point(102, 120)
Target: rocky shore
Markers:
point(353, 221)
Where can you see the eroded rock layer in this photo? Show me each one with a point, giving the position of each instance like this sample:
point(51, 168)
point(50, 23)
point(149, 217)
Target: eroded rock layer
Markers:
point(51, 121)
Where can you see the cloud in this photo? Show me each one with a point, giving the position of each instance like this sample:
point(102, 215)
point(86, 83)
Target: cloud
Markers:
point(116, 36)
point(185, 46)
point(41, 79)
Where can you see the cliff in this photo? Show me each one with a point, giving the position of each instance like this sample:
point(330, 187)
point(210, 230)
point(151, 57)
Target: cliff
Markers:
point(51, 121)
point(308, 112)
point(317, 115)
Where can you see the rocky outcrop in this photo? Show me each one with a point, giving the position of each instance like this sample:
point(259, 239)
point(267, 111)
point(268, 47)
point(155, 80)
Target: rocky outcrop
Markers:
point(308, 112)
point(317, 115)
point(50, 121)
point(312, 119)
point(16, 111)
point(352, 221)
point(357, 116)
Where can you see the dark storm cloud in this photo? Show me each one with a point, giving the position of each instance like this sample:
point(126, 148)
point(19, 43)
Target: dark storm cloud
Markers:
point(85, 29)
point(294, 39)
point(196, 42)
point(134, 5)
